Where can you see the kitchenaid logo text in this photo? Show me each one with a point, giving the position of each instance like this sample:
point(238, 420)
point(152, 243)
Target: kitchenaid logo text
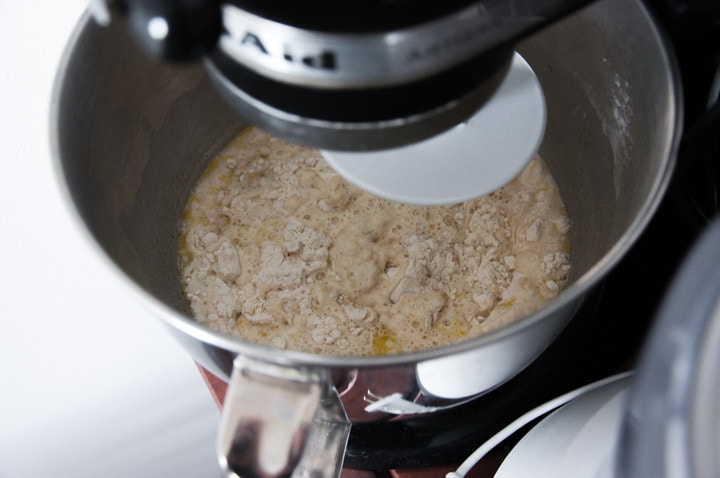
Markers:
point(321, 59)
point(272, 46)
point(459, 41)
point(294, 55)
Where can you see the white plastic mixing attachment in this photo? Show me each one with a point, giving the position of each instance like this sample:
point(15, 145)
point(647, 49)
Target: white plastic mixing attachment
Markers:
point(465, 162)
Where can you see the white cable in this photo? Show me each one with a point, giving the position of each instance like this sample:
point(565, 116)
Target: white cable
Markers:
point(528, 417)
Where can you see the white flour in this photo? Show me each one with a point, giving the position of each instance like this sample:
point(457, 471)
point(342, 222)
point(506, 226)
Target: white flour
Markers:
point(278, 249)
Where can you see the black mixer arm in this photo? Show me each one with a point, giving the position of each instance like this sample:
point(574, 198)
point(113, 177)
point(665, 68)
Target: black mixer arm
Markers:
point(349, 74)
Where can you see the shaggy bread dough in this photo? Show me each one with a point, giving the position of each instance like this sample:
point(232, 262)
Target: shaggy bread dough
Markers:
point(277, 249)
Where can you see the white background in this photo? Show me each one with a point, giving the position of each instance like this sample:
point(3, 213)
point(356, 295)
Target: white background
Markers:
point(90, 383)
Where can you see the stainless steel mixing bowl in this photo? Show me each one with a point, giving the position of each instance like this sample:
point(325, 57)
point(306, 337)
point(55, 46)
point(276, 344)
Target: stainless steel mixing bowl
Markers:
point(131, 136)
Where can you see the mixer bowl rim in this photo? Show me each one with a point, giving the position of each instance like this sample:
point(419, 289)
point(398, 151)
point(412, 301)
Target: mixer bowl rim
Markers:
point(569, 297)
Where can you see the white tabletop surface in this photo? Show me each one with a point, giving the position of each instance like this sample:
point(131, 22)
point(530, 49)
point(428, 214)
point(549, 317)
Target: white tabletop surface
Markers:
point(90, 383)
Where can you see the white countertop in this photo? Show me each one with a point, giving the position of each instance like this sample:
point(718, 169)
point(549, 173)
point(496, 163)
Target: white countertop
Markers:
point(90, 383)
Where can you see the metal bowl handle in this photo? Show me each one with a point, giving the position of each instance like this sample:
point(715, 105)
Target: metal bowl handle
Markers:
point(281, 422)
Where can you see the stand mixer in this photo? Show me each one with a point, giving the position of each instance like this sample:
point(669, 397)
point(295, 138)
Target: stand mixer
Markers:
point(415, 101)
point(132, 135)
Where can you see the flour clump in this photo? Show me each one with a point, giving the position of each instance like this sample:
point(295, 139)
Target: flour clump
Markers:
point(277, 249)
